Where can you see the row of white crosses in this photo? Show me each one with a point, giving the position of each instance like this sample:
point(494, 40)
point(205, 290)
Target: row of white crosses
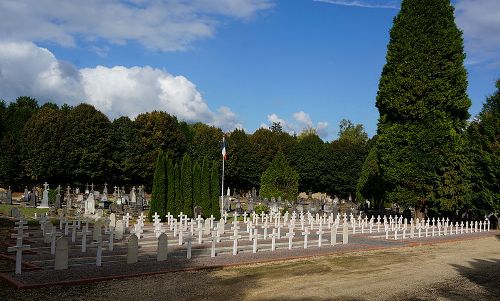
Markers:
point(439, 227)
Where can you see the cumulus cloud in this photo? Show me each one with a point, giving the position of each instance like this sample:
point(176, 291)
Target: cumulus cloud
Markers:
point(480, 22)
point(26, 69)
point(168, 25)
point(301, 121)
point(392, 4)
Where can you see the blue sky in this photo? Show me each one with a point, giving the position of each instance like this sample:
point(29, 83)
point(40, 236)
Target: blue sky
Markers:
point(230, 63)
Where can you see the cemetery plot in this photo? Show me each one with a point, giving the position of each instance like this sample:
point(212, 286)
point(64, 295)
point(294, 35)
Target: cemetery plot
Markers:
point(76, 248)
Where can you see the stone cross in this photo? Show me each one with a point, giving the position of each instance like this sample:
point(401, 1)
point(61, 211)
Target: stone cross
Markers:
point(305, 234)
point(290, 236)
point(255, 237)
point(235, 238)
point(333, 235)
point(188, 247)
point(273, 240)
point(98, 243)
point(18, 248)
point(84, 233)
point(320, 235)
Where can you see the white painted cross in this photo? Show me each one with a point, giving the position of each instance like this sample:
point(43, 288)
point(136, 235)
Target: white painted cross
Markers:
point(235, 238)
point(305, 234)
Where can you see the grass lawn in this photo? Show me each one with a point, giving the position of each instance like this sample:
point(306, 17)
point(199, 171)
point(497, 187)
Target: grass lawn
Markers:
point(26, 212)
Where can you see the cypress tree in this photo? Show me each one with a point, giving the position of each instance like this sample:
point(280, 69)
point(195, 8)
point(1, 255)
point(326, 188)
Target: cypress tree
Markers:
point(177, 183)
point(171, 187)
point(187, 185)
point(423, 106)
point(159, 191)
point(197, 184)
point(279, 179)
point(206, 202)
point(215, 190)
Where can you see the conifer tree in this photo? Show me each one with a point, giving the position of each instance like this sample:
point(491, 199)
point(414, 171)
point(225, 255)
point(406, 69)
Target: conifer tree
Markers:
point(197, 185)
point(206, 202)
point(178, 197)
point(159, 192)
point(187, 185)
point(215, 190)
point(423, 108)
point(170, 187)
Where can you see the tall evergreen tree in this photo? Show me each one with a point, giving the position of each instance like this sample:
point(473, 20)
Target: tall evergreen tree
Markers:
point(187, 185)
point(159, 192)
point(484, 139)
point(197, 184)
point(178, 197)
point(206, 203)
point(423, 106)
point(215, 190)
point(171, 201)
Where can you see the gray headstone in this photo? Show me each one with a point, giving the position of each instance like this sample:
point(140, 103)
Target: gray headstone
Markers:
point(61, 261)
point(132, 249)
point(14, 212)
point(97, 230)
point(162, 247)
point(119, 230)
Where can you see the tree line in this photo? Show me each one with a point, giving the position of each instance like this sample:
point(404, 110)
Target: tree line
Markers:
point(79, 145)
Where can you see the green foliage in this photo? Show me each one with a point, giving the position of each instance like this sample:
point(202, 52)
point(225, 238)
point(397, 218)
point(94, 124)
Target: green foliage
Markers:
point(206, 202)
point(171, 187)
point(187, 186)
point(52, 196)
point(215, 190)
point(197, 184)
point(423, 107)
point(371, 184)
point(160, 185)
point(42, 156)
point(261, 208)
point(279, 180)
point(308, 160)
point(179, 205)
point(87, 145)
point(240, 167)
point(276, 127)
point(484, 153)
point(206, 142)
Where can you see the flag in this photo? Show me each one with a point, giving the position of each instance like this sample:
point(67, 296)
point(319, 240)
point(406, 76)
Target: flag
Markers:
point(224, 156)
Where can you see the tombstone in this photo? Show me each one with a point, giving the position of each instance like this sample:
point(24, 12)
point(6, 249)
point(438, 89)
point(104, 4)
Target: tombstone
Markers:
point(132, 249)
point(14, 212)
point(97, 230)
point(250, 207)
point(112, 220)
point(26, 194)
point(119, 230)
point(61, 261)
point(9, 196)
point(345, 234)
point(45, 198)
point(198, 211)
point(162, 247)
point(90, 204)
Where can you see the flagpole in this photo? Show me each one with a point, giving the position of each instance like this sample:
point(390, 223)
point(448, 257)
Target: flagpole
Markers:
point(222, 189)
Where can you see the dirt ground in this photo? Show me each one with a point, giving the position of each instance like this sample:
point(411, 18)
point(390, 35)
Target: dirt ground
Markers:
point(466, 270)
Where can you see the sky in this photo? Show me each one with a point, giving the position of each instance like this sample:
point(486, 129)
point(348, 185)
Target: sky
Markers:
point(229, 63)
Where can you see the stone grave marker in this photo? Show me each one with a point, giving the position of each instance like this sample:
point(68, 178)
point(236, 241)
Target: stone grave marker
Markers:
point(132, 249)
point(61, 261)
point(162, 247)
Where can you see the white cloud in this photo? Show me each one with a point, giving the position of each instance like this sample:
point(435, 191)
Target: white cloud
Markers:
point(480, 22)
point(168, 25)
point(392, 4)
point(302, 121)
point(26, 69)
